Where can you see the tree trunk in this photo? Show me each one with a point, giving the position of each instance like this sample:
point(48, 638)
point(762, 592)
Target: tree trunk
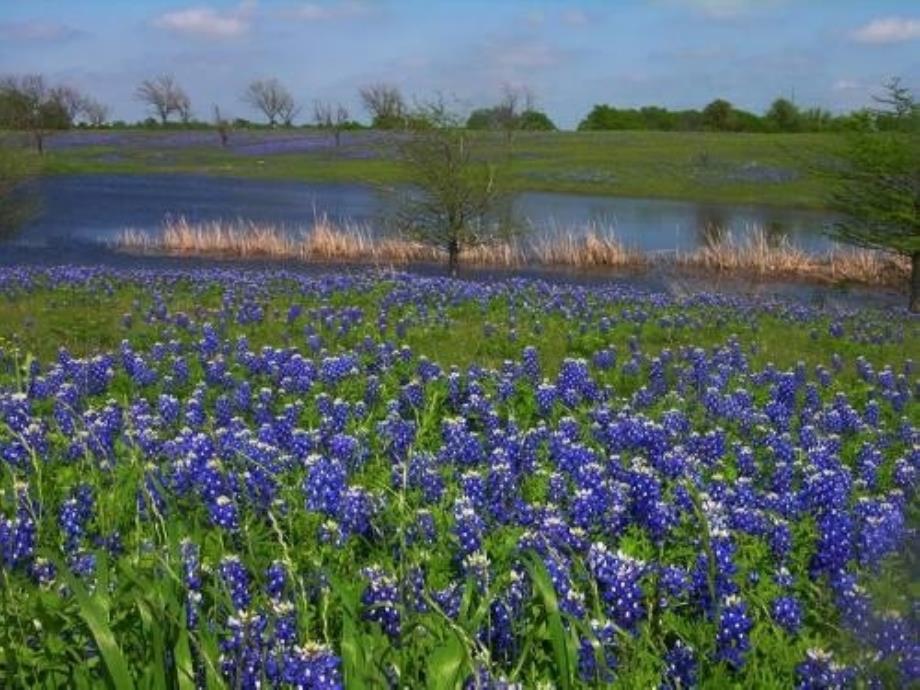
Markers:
point(39, 143)
point(338, 138)
point(915, 282)
point(453, 257)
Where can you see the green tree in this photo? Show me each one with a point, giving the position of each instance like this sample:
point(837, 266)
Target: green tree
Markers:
point(536, 121)
point(455, 181)
point(784, 116)
point(877, 193)
point(718, 115)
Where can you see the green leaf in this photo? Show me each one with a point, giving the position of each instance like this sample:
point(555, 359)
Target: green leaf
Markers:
point(352, 653)
point(562, 653)
point(184, 671)
point(445, 664)
point(93, 612)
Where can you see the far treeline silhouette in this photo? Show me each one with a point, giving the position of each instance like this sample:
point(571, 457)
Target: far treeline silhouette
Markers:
point(29, 103)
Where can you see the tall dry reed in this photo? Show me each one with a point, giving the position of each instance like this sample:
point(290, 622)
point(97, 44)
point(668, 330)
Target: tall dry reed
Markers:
point(753, 254)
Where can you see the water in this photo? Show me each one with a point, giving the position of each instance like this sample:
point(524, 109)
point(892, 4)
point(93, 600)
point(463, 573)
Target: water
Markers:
point(85, 209)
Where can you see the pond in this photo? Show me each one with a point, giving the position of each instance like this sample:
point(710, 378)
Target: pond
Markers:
point(81, 209)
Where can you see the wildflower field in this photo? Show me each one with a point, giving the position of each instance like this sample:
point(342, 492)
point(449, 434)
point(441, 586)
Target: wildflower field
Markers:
point(230, 478)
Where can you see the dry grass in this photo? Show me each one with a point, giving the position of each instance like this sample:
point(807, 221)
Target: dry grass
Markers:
point(326, 242)
point(753, 255)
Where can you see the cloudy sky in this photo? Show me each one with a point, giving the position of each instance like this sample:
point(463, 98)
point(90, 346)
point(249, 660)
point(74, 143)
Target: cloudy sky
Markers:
point(679, 53)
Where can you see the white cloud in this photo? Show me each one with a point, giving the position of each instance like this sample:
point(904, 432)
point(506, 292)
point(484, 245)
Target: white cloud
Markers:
point(206, 21)
point(328, 11)
point(888, 30)
point(847, 85)
point(36, 31)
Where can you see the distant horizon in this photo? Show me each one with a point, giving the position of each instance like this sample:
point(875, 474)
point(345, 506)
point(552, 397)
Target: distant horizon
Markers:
point(678, 54)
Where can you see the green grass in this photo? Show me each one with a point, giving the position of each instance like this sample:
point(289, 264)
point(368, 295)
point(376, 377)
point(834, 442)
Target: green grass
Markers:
point(687, 165)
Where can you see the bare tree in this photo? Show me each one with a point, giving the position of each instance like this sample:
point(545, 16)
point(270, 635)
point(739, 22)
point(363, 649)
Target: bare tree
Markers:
point(165, 96)
point(385, 104)
point(332, 118)
point(27, 103)
point(96, 113)
point(71, 100)
point(455, 187)
point(222, 125)
point(183, 106)
point(273, 99)
point(514, 102)
point(289, 110)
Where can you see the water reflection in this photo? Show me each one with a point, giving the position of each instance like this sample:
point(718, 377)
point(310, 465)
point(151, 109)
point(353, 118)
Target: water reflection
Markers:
point(93, 208)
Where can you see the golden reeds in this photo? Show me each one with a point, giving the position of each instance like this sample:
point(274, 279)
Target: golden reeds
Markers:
point(356, 244)
point(754, 254)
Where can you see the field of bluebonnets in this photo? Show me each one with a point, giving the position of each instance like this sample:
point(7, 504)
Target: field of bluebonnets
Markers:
point(222, 478)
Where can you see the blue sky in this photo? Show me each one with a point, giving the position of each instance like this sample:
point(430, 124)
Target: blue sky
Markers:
point(679, 53)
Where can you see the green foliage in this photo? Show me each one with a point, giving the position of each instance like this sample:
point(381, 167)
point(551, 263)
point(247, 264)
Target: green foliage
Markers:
point(493, 118)
point(878, 192)
point(456, 188)
point(784, 116)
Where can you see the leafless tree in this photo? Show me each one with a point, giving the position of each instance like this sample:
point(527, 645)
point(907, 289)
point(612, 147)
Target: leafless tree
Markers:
point(385, 104)
point(273, 99)
point(96, 113)
point(515, 101)
point(165, 96)
point(289, 110)
point(183, 107)
point(70, 99)
point(27, 103)
point(331, 117)
point(222, 125)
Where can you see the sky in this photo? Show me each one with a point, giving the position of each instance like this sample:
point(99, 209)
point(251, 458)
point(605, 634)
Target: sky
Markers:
point(571, 55)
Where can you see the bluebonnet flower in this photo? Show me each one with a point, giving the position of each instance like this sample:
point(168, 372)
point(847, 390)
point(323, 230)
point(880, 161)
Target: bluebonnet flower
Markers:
point(787, 612)
point(732, 638)
point(312, 667)
point(223, 513)
point(236, 580)
point(380, 601)
point(324, 484)
point(819, 671)
point(618, 577)
point(680, 667)
point(276, 579)
point(468, 526)
point(357, 511)
point(602, 647)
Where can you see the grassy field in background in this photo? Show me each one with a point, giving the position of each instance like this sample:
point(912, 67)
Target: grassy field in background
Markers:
point(713, 167)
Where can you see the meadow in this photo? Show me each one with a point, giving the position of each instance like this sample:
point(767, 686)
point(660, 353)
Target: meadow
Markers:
point(241, 479)
point(780, 169)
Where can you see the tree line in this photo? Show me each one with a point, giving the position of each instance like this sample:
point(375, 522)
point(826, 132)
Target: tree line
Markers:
point(30, 103)
point(783, 115)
